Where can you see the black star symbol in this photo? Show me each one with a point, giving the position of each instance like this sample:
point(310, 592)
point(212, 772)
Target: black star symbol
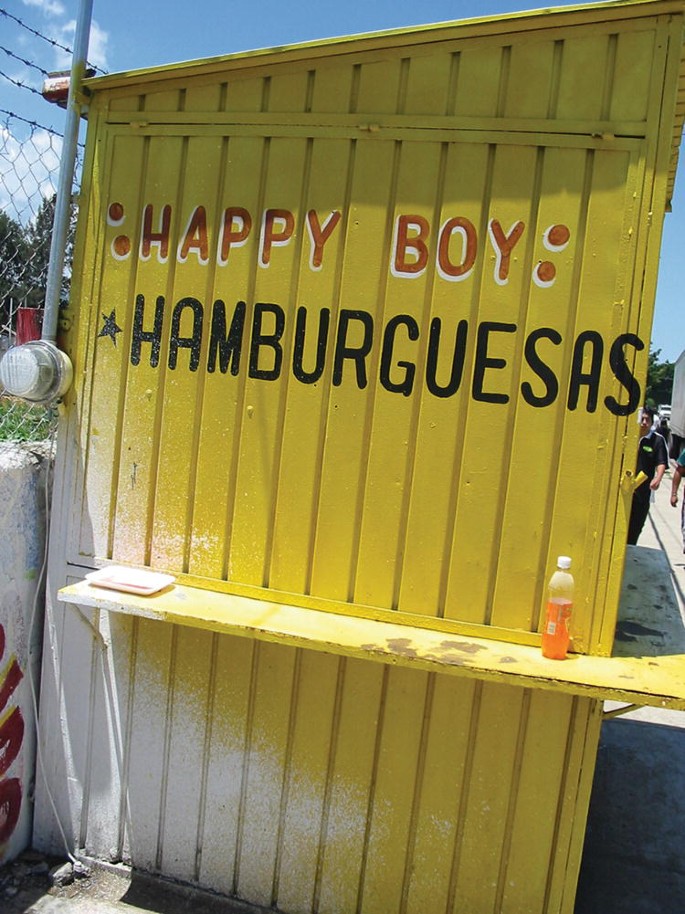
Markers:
point(110, 328)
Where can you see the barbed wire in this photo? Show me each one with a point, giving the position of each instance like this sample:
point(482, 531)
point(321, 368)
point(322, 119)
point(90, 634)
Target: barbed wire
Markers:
point(33, 66)
point(35, 124)
point(55, 44)
point(20, 85)
point(51, 41)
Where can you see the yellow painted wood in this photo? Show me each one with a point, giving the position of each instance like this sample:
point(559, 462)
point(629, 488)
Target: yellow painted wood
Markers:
point(152, 691)
point(487, 805)
point(224, 757)
point(316, 523)
point(143, 402)
point(303, 439)
point(266, 749)
point(175, 472)
point(478, 27)
point(112, 283)
point(343, 489)
point(222, 405)
point(656, 680)
point(305, 808)
point(188, 723)
point(387, 476)
point(261, 433)
point(442, 790)
point(391, 816)
point(357, 763)
point(349, 417)
point(574, 800)
point(353, 751)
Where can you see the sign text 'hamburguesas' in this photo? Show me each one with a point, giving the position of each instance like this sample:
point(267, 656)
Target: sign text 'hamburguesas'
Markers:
point(351, 341)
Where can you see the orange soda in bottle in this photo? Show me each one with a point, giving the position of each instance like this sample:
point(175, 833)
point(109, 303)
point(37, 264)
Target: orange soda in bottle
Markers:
point(555, 634)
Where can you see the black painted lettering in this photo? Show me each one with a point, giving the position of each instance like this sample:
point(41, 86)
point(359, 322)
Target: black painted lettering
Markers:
point(261, 339)
point(541, 369)
point(193, 342)
point(623, 374)
point(140, 336)
point(484, 361)
point(310, 377)
point(406, 385)
point(458, 357)
point(356, 354)
point(591, 378)
point(227, 345)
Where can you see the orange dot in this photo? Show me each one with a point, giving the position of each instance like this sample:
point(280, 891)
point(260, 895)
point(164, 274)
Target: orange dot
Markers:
point(558, 235)
point(122, 245)
point(116, 212)
point(546, 271)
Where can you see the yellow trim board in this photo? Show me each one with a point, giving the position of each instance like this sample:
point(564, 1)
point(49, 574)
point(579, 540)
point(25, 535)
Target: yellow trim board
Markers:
point(657, 681)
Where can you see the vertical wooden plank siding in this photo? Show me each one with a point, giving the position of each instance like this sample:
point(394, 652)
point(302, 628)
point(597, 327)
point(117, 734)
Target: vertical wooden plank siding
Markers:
point(284, 466)
point(328, 784)
point(359, 324)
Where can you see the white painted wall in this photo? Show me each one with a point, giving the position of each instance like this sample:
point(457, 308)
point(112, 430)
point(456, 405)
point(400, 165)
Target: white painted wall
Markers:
point(24, 477)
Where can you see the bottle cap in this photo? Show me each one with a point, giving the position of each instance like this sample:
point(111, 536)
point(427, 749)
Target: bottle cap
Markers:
point(564, 561)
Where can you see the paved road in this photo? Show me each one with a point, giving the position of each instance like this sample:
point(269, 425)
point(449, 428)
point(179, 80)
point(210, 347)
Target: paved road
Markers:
point(633, 862)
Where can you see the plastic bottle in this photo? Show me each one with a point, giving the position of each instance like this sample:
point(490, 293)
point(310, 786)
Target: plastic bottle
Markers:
point(555, 635)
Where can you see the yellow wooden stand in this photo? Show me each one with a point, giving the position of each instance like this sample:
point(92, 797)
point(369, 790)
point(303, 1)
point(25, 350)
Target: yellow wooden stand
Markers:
point(361, 328)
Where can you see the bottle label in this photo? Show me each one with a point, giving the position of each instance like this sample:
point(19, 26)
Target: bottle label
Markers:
point(555, 633)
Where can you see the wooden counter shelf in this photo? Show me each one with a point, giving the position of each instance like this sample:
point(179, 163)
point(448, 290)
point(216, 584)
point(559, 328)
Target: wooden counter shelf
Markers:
point(650, 669)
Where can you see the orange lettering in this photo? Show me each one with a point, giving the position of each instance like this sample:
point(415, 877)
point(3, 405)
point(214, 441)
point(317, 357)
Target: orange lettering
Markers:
point(320, 234)
point(236, 227)
point(416, 244)
point(503, 245)
point(277, 228)
point(463, 227)
point(161, 238)
point(195, 237)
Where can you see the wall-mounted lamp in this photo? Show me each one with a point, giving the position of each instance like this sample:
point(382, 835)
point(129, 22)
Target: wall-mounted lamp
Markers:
point(37, 371)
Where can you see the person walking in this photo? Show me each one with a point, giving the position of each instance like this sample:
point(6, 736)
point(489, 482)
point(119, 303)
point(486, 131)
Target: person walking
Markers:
point(652, 460)
point(678, 474)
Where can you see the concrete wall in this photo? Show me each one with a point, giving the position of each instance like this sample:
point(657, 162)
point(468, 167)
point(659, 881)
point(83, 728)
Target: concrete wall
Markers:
point(24, 480)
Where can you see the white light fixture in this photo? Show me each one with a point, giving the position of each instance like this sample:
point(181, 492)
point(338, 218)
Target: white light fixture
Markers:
point(37, 371)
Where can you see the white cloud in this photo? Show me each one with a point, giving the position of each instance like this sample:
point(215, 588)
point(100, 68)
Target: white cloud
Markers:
point(97, 45)
point(49, 7)
point(97, 48)
point(29, 169)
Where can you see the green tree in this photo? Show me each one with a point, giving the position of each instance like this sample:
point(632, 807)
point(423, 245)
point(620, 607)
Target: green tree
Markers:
point(659, 379)
point(38, 237)
point(13, 265)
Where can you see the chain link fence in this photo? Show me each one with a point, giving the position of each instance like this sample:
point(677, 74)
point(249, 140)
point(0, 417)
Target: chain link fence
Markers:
point(29, 166)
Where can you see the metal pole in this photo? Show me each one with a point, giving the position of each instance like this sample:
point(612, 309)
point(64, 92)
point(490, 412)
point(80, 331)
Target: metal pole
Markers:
point(60, 225)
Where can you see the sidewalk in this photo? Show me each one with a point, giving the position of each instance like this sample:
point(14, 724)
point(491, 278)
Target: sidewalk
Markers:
point(633, 861)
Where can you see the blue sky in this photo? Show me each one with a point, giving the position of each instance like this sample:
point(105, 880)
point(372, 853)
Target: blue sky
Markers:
point(129, 34)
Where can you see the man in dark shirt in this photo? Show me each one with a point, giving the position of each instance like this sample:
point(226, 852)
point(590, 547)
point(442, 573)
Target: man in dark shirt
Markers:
point(652, 460)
